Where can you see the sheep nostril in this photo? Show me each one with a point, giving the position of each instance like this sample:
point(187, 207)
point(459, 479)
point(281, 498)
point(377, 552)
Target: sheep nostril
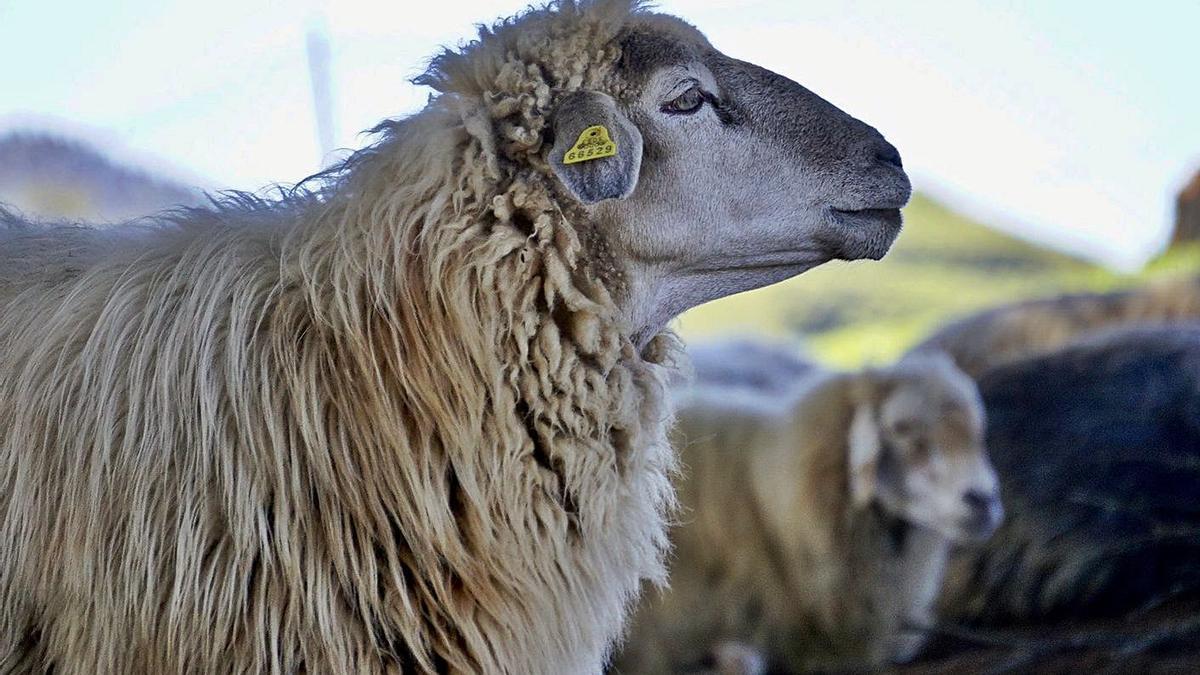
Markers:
point(888, 154)
point(977, 500)
point(986, 512)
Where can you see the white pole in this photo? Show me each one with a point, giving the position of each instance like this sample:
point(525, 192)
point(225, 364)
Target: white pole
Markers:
point(321, 77)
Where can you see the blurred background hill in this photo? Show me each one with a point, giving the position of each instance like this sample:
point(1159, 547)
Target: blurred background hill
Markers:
point(55, 177)
point(943, 265)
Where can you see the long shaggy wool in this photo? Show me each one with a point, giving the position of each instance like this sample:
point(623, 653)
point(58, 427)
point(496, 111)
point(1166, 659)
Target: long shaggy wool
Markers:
point(386, 422)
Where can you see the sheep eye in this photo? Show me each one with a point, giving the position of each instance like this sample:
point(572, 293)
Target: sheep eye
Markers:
point(686, 103)
point(904, 428)
point(920, 450)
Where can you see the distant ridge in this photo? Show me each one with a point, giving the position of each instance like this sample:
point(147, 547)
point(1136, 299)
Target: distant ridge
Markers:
point(52, 177)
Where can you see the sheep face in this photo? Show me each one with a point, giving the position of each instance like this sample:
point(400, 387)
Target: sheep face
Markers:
point(916, 449)
point(742, 177)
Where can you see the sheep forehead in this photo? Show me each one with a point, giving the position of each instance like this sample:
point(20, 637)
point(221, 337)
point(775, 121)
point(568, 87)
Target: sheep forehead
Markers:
point(651, 43)
point(947, 406)
point(907, 402)
point(665, 27)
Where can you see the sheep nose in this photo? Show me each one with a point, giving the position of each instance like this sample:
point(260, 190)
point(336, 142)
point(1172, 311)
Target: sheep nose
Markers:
point(888, 154)
point(985, 513)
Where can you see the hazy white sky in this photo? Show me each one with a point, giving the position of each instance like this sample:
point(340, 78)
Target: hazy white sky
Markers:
point(1073, 122)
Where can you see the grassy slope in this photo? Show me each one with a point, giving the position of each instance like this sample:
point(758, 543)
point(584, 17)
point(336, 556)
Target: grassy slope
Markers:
point(942, 266)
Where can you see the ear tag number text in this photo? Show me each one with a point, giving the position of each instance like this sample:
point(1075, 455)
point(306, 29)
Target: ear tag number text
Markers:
point(593, 143)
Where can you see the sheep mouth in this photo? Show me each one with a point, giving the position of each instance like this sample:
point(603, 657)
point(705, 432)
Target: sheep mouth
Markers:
point(888, 218)
point(798, 260)
point(866, 233)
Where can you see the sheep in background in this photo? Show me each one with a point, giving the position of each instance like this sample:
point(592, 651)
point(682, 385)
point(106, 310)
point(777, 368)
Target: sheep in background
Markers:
point(997, 336)
point(815, 531)
point(745, 363)
point(411, 415)
point(1097, 446)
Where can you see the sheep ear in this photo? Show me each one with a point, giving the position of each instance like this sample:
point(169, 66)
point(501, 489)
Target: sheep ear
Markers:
point(597, 151)
point(863, 460)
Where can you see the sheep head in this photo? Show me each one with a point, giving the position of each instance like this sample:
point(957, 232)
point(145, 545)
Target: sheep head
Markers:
point(697, 175)
point(747, 178)
point(916, 449)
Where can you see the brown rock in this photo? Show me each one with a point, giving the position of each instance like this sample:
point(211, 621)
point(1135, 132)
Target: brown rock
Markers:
point(1187, 213)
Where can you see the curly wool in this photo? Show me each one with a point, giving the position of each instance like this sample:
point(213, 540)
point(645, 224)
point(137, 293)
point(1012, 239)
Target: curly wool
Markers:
point(391, 422)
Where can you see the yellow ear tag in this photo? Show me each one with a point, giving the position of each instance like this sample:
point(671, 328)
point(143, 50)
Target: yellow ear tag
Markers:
point(593, 143)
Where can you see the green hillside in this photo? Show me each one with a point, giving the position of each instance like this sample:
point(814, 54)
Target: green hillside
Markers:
point(943, 265)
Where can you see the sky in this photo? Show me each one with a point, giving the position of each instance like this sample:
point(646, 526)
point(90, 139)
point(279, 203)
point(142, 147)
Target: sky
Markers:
point(1071, 122)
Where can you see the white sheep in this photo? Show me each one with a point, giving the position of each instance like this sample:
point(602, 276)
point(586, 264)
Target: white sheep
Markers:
point(815, 530)
point(409, 415)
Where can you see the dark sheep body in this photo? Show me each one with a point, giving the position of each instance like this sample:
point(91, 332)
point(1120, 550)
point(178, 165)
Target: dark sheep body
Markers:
point(1098, 450)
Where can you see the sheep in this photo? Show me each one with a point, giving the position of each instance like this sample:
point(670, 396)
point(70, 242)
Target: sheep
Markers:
point(815, 531)
point(993, 337)
point(748, 364)
point(409, 415)
point(1097, 446)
